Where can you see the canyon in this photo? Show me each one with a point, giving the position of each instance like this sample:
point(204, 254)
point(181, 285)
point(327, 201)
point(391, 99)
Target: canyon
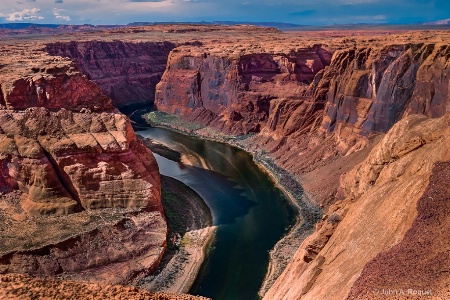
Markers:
point(359, 118)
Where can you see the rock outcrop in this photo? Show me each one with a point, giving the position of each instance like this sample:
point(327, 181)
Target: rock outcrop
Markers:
point(379, 204)
point(126, 72)
point(51, 86)
point(80, 195)
point(82, 159)
point(233, 93)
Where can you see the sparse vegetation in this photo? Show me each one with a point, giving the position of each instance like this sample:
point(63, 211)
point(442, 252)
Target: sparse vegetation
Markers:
point(185, 212)
point(157, 118)
point(334, 218)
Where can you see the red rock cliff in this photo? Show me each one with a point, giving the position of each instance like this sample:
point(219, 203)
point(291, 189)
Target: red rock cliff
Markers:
point(80, 195)
point(356, 93)
point(126, 72)
point(233, 93)
point(362, 93)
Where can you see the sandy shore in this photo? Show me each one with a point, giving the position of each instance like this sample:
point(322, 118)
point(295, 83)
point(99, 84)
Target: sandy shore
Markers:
point(179, 274)
point(190, 233)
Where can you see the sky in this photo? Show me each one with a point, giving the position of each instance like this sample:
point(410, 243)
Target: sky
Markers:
point(305, 12)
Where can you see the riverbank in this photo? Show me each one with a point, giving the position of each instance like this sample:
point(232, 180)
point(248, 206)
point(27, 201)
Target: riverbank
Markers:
point(160, 149)
point(307, 212)
point(190, 233)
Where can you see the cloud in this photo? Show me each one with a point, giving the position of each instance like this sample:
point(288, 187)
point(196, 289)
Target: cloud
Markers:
point(146, 0)
point(26, 14)
point(59, 1)
point(58, 16)
point(379, 17)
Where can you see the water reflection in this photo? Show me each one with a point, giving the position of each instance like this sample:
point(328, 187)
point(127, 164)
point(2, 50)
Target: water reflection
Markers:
point(251, 213)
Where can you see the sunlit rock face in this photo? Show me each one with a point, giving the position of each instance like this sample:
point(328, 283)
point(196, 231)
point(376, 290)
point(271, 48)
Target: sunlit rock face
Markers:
point(79, 194)
point(234, 93)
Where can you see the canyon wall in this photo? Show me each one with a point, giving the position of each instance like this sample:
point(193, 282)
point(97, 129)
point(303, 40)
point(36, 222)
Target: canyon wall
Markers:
point(234, 93)
point(368, 92)
point(79, 194)
point(125, 72)
point(310, 101)
point(379, 203)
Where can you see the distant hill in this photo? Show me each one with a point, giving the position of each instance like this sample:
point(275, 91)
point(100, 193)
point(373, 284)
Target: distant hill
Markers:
point(278, 25)
point(26, 25)
point(21, 26)
point(441, 22)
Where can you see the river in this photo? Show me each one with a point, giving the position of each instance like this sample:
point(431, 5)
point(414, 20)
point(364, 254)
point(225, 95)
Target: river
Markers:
point(250, 212)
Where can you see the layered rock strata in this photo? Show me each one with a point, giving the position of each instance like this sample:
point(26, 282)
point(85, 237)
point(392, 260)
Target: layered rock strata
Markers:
point(126, 72)
point(233, 93)
point(80, 195)
point(380, 199)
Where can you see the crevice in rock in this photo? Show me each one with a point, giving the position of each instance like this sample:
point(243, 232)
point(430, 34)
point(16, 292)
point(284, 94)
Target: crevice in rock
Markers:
point(199, 85)
point(2, 99)
point(65, 180)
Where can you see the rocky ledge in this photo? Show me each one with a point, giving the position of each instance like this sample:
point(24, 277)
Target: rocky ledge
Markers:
point(380, 200)
point(79, 194)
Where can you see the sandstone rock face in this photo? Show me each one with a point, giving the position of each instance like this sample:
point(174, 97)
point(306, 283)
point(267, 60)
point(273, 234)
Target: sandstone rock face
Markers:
point(372, 89)
point(125, 72)
point(86, 160)
point(233, 93)
point(363, 92)
point(425, 244)
point(54, 86)
point(383, 191)
point(79, 194)
point(311, 102)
